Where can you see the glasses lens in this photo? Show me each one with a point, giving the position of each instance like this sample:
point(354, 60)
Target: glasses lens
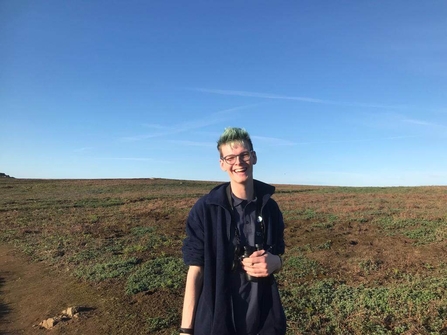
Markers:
point(231, 159)
point(245, 156)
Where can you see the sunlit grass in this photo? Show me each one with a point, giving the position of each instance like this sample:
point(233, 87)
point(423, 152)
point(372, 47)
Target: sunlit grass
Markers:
point(357, 261)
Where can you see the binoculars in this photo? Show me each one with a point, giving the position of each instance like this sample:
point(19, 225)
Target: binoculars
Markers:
point(241, 252)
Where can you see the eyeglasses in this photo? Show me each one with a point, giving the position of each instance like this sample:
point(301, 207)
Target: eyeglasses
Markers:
point(243, 156)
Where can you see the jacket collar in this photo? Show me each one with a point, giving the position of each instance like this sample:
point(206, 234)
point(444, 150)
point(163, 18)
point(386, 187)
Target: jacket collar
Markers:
point(220, 194)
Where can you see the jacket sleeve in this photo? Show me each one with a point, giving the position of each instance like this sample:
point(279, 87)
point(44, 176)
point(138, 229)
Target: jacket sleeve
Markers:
point(193, 244)
point(277, 229)
point(280, 245)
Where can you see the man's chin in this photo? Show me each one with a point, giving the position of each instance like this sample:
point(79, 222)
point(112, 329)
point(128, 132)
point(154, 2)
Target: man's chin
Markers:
point(241, 179)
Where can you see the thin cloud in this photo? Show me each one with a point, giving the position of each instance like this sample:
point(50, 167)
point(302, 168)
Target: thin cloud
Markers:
point(154, 126)
point(424, 123)
point(83, 149)
point(273, 140)
point(281, 142)
point(391, 138)
point(258, 95)
point(159, 160)
point(214, 118)
point(140, 159)
point(194, 144)
point(303, 99)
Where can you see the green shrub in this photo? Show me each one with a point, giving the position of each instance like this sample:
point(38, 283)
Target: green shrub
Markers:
point(141, 231)
point(99, 272)
point(160, 323)
point(336, 308)
point(163, 272)
point(420, 230)
point(295, 267)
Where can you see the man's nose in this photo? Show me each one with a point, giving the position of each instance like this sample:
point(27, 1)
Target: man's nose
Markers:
point(238, 159)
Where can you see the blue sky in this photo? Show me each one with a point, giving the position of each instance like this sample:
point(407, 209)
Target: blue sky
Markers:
point(349, 93)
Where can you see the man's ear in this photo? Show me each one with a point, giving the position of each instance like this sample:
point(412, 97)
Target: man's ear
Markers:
point(222, 165)
point(255, 158)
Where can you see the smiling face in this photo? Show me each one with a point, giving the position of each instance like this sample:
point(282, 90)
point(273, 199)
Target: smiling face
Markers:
point(241, 172)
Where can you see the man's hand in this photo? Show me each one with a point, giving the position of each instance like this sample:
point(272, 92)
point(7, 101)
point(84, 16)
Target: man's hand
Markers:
point(261, 263)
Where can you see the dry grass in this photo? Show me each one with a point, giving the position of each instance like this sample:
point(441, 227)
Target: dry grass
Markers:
point(358, 260)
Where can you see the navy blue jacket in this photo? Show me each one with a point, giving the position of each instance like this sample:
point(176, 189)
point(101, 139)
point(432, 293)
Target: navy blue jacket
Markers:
point(210, 232)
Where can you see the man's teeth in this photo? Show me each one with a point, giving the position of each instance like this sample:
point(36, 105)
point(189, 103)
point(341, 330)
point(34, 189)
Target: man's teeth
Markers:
point(239, 170)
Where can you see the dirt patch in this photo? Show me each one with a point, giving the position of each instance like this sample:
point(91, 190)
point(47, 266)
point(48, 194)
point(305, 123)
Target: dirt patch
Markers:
point(31, 292)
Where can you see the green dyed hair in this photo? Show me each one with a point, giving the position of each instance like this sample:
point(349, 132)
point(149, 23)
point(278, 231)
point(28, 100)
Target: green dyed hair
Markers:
point(235, 135)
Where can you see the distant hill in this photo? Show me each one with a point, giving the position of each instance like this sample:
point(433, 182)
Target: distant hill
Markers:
point(4, 175)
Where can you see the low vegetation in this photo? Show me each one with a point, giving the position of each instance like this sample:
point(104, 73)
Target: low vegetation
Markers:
point(358, 260)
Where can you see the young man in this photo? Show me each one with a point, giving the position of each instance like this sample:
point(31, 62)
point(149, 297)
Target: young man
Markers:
point(234, 239)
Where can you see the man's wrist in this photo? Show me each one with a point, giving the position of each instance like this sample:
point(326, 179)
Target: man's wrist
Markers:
point(186, 330)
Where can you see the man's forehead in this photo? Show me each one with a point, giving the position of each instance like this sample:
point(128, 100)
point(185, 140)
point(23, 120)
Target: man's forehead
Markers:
point(234, 145)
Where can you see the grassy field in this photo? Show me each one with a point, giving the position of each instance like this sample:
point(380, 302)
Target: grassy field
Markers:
point(358, 260)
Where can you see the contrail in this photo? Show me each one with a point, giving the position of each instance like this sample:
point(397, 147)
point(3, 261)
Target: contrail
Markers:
point(213, 118)
point(303, 99)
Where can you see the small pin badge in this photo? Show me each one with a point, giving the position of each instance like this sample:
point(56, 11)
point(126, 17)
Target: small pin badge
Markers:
point(259, 219)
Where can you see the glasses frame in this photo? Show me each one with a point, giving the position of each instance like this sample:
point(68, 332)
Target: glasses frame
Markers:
point(249, 152)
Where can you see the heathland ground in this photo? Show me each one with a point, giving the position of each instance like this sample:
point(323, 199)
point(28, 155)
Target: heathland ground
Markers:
point(359, 260)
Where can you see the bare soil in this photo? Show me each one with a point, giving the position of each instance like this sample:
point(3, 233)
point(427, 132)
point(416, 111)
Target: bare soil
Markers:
point(32, 292)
